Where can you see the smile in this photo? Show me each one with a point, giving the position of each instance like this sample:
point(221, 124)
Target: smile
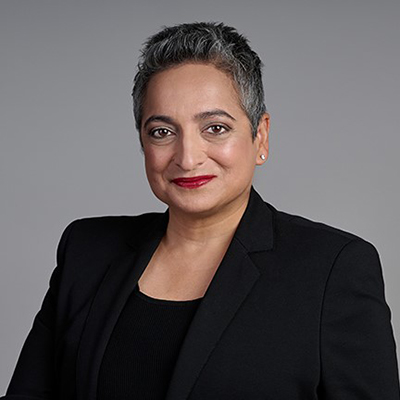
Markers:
point(194, 182)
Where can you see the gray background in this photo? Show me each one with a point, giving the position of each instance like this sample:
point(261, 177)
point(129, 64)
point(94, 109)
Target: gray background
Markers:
point(69, 148)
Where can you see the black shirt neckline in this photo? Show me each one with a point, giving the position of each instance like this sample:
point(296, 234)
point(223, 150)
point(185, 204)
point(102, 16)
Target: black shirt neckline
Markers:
point(154, 300)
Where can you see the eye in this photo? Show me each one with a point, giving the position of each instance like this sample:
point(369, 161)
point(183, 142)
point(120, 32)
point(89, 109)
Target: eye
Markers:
point(217, 129)
point(160, 133)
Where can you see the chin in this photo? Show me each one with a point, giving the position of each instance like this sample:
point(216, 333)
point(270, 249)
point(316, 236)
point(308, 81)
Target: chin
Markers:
point(193, 207)
point(191, 204)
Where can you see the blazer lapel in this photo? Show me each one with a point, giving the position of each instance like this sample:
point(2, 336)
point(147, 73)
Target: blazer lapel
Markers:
point(117, 285)
point(231, 283)
point(230, 286)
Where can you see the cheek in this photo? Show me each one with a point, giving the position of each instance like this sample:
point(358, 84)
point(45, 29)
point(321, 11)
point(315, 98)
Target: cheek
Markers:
point(156, 161)
point(236, 156)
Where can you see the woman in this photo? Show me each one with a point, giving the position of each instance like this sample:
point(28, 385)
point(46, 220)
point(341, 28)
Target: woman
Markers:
point(222, 296)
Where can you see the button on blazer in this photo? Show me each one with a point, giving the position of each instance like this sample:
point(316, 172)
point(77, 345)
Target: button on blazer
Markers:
point(296, 310)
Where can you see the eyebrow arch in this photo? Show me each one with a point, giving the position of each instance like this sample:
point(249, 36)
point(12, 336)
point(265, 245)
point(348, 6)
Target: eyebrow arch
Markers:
point(200, 116)
point(213, 113)
point(158, 118)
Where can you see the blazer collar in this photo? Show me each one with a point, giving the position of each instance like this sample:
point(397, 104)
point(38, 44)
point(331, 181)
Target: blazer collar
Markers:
point(255, 231)
point(231, 284)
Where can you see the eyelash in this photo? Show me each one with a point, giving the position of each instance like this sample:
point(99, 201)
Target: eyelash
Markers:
point(225, 129)
point(153, 132)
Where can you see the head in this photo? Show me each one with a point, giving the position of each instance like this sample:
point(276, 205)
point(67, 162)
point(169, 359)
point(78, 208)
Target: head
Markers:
point(208, 43)
point(200, 113)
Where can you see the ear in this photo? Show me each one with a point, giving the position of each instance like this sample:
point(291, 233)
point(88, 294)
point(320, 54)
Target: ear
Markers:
point(261, 139)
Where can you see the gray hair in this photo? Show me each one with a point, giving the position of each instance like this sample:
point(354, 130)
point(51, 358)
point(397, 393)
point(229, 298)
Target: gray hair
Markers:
point(203, 42)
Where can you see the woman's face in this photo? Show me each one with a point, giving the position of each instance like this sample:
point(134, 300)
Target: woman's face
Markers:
point(199, 153)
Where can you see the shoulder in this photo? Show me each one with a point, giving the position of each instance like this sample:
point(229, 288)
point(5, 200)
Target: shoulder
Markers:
point(112, 224)
point(309, 226)
point(105, 233)
point(305, 235)
point(317, 256)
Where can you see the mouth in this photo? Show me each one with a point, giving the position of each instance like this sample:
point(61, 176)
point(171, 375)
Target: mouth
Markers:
point(193, 182)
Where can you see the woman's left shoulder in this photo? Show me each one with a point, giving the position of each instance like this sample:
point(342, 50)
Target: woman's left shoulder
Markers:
point(308, 234)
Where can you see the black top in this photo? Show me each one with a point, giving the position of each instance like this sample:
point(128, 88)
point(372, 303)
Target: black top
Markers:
point(143, 348)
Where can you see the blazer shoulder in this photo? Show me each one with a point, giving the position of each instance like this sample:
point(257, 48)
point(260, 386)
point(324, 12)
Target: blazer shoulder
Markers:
point(115, 223)
point(307, 230)
point(106, 232)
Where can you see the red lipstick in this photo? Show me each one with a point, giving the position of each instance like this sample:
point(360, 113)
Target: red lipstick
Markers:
point(193, 182)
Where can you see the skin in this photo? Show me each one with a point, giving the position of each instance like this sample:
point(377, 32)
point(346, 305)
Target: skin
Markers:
point(193, 125)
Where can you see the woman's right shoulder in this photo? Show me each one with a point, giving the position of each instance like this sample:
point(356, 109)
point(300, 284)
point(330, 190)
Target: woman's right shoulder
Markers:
point(109, 233)
point(115, 223)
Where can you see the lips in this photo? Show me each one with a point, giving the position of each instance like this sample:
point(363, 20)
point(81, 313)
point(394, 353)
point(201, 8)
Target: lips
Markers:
point(193, 182)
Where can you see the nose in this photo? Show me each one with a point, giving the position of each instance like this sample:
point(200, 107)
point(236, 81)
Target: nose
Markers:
point(190, 152)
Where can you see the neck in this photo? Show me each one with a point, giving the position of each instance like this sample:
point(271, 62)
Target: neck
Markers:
point(199, 230)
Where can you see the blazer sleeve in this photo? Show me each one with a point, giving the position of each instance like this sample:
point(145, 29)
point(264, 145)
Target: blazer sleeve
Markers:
point(358, 351)
point(34, 375)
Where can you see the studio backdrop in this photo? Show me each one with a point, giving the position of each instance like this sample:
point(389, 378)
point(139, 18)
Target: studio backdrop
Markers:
point(68, 147)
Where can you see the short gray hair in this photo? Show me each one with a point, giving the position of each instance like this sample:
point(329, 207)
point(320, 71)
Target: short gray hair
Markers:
point(203, 42)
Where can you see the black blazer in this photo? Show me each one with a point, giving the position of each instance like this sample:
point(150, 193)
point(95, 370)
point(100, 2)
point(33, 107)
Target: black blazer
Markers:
point(296, 310)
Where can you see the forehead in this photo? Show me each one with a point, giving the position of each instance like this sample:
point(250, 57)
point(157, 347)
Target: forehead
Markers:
point(188, 89)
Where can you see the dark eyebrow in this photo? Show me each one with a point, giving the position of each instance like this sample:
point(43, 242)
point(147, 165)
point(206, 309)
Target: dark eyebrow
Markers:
point(158, 118)
point(200, 116)
point(213, 113)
